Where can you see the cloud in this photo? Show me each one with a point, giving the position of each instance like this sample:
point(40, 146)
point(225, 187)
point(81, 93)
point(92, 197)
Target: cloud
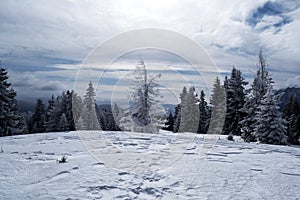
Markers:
point(44, 42)
point(293, 82)
point(32, 85)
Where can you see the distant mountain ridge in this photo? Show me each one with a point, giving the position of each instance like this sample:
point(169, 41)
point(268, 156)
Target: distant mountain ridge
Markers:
point(286, 94)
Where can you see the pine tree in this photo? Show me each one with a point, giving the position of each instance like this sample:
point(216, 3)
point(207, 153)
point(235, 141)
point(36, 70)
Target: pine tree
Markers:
point(49, 121)
point(77, 107)
point(169, 125)
point(218, 103)
point(271, 127)
point(68, 110)
point(38, 118)
point(53, 114)
point(90, 115)
point(144, 114)
point(177, 117)
point(261, 84)
point(11, 121)
point(117, 114)
point(191, 111)
point(204, 114)
point(235, 95)
point(291, 114)
point(183, 111)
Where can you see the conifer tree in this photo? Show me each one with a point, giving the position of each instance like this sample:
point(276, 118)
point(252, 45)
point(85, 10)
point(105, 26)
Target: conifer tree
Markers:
point(218, 103)
point(169, 125)
point(177, 117)
point(261, 84)
point(235, 95)
point(90, 115)
point(11, 121)
point(204, 114)
point(145, 113)
point(192, 111)
point(291, 114)
point(38, 118)
point(270, 127)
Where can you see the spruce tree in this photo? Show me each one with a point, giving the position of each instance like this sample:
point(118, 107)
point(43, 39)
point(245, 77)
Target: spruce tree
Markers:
point(191, 111)
point(90, 115)
point(177, 117)
point(291, 114)
point(183, 108)
point(204, 114)
point(235, 95)
point(11, 121)
point(38, 118)
point(169, 125)
point(77, 108)
point(145, 113)
point(261, 84)
point(218, 111)
point(49, 118)
point(270, 127)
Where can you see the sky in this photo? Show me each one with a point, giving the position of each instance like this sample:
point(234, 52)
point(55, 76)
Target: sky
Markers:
point(48, 46)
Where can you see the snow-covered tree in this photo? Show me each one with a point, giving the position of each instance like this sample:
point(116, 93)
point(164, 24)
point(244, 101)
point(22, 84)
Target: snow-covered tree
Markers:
point(261, 84)
point(218, 103)
point(235, 95)
point(169, 125)
point(204, 114)
point(51, 114)
point(181, 117)
point(38, 118)
point(67, 104)
point(89, 112)
point(77, 107)
point(177, 117)
point(189, 121)
point(144, 114)
point(117, 114)
point(270, 127)
point(11, 121)
point(291, 114)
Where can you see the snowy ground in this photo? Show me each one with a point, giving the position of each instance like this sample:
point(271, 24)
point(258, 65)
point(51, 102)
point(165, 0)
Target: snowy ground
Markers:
point(116, 165)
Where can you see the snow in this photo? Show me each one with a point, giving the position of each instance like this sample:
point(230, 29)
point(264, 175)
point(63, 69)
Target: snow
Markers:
point(123, 165)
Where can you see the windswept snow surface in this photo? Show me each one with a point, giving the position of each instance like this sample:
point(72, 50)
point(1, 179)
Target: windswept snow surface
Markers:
point(121, 165)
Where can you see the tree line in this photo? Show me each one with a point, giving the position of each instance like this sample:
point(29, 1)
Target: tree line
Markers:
point(251, 113)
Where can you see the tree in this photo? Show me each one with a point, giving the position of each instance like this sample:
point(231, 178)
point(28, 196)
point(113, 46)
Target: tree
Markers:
point(145, 113)
point(38, 118)
point(261, 84)
point(169, 125)
point(204, 114)
point(218, 103)
point(90, 116)
point(190, 111)
point(50, 122)
point(291, 114)
point(181, 116)
point(235, 95)
point(11, 121)
point(77, 107)
point(67, 110)
point(271, 127)
point(177, 117)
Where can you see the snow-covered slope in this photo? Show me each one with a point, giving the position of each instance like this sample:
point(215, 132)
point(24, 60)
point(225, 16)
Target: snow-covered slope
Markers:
point(120, 165)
